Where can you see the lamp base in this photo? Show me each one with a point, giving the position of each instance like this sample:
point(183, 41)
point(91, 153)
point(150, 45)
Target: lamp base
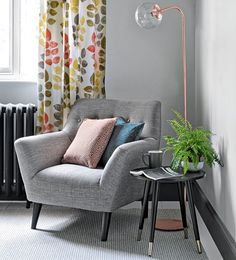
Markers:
point(169, 225)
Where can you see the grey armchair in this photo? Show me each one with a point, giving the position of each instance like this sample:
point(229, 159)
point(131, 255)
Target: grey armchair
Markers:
point(47, 181)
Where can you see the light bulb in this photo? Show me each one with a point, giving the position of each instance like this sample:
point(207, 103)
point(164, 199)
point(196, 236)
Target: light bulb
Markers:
point(144, 17)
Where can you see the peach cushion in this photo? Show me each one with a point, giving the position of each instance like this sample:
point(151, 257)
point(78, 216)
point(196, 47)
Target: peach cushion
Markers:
point(90, 142)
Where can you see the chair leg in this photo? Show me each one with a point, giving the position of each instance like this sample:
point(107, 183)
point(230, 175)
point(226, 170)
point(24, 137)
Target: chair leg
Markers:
point(106, 219)
point(183, 208)
point(36, 211)
point(28, 204)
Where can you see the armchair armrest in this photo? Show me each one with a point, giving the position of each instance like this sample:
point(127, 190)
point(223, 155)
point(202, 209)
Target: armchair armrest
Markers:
point(36, 153)
point(125, 158)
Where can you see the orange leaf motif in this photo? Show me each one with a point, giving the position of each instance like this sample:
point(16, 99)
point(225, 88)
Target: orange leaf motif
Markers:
point(94, 37)
point(45, 118)
point(48, 35)
point(48, 52)
point(49, 62)
point(53, 44)
point(55, 51)
point(66, 38)
point(56, 60)
point(91, 48)
point(66, 55)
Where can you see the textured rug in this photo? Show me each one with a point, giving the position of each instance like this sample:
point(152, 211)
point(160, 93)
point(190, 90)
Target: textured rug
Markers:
point(65, 233)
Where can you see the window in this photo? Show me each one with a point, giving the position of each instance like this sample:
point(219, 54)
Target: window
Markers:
point(5, 40)
point(19, 39)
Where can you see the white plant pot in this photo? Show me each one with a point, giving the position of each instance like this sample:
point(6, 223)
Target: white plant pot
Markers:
point(192, 168)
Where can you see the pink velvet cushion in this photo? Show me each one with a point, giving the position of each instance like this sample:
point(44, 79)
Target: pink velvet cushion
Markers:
point(90, 142)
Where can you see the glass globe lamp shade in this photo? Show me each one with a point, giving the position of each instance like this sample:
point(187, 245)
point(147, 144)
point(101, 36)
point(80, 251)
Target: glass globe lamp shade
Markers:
point(144, 17)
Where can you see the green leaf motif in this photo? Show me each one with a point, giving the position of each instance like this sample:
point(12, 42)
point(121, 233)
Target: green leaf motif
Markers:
point(103, 42)
point(48, 85)
point(46, 76)
point(76, 19)
point(66, 78)
point(103, 10)
point(48, 103)
point(101, 68)
point(103, 20)
point(48, 93)
point(90, 14)
point(51, 21)
point(90, 23)
point(91, 7)
point(54, 4)
point(88, 89)
point(52, 12)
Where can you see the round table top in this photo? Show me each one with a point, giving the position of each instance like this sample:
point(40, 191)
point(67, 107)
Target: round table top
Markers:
point(188, 177)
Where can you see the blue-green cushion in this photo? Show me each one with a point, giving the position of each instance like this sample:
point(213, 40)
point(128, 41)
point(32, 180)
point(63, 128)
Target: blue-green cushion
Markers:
point(123, 132)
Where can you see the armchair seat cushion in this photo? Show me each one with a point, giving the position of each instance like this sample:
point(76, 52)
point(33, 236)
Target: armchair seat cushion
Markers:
point(74, 176)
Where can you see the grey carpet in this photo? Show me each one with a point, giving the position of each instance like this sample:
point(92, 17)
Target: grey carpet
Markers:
point(74, 234)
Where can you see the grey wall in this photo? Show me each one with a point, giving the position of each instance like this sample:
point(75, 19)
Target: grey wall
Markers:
point(18, 92)
point(147, 64)
point(215, 99)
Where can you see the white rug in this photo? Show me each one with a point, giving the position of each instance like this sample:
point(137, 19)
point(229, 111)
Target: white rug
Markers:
point(65, 233)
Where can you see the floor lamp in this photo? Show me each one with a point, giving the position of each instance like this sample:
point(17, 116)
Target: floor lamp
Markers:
point(148, 16)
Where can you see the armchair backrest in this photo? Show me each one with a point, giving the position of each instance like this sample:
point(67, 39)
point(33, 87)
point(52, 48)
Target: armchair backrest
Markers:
point(148, 112)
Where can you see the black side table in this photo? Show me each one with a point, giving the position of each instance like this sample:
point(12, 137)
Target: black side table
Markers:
point(187, 180)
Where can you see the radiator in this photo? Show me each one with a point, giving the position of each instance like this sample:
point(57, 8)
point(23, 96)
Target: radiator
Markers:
point(15, 121)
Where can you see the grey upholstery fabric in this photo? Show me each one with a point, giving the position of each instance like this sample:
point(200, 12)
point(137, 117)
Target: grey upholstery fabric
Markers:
point(49, 182)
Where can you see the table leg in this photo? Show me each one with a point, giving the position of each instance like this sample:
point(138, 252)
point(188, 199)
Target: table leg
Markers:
point(154, 215)
point(144, 206)
point(183, 208)
point(193, 215)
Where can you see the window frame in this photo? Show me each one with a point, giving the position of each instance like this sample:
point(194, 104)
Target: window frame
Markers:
point(13, 73)
point(9, 70)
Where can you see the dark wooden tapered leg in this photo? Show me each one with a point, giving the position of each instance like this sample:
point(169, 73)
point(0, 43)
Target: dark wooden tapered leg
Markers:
point(106, 219)
point(154, 215)
point(183, 208)
point(36, 211)
point(193, 215)
point(144, 208)
point(28, 204)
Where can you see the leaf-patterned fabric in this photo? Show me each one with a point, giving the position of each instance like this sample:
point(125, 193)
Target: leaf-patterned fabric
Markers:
point(72, 47)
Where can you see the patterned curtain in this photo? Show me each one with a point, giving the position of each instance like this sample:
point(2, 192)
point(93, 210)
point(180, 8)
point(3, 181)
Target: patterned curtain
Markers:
point(72, 47)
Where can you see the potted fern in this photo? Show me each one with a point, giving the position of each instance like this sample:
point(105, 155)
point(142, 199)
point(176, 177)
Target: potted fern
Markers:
point(191, 147)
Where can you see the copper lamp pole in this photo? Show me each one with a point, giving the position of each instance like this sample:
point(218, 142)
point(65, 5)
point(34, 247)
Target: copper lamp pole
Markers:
point(145, 15)
point(175, 224)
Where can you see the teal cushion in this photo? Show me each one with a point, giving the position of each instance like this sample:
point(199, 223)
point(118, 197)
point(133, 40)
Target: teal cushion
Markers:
point(123, 132)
